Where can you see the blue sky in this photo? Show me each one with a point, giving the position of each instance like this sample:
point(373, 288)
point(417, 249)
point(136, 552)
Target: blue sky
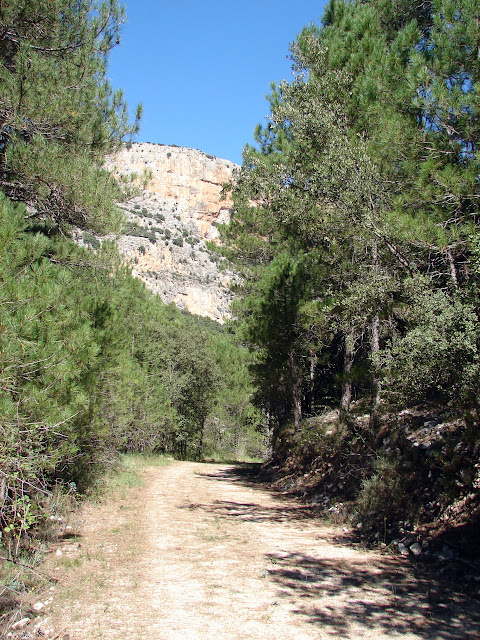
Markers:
point(202, 68)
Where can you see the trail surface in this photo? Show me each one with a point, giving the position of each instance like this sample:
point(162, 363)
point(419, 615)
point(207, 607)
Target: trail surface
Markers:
point(199, 553)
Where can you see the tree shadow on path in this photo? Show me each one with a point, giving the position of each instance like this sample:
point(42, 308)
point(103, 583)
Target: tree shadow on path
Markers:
point(382, 595)
point(387, 595)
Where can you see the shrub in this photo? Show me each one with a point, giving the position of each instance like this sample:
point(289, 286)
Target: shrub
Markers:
point(382, 495)
point(439, 356)
point(140, 232)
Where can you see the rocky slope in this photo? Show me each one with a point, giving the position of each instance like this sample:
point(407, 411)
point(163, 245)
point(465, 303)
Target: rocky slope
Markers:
point(176, 212)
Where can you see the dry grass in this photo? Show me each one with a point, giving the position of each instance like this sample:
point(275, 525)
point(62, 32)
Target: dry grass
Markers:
point(79, 569)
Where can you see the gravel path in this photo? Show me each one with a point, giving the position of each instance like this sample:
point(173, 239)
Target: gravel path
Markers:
point(198, 553)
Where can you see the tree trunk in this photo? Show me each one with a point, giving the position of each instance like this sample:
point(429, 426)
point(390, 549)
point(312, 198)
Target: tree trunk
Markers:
point(200, 444)
point(297, 407)
point(375, 354)
point(296, 392)
point(453, 268)
point(348, 358)
point(376, 383)
point(313, 366)
point(268, 426)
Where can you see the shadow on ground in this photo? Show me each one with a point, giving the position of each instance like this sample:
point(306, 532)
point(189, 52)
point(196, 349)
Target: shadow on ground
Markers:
point(381, 596)
point(246, 474)
point(388, 595)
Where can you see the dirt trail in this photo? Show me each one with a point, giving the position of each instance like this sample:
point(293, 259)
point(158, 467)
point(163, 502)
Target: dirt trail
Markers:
point(197, 553)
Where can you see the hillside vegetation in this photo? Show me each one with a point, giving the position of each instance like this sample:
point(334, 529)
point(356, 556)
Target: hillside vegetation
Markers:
point(356, 229)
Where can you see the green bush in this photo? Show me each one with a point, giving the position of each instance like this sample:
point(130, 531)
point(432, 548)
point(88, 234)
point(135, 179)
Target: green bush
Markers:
point(438, 357)
point(382, 495)
point(138, 231)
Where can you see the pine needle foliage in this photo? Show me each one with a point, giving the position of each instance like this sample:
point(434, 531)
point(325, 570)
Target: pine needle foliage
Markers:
point(59, 115)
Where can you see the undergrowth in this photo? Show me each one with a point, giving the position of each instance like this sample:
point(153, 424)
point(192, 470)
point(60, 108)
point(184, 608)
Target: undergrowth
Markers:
point(225, 458)
point(417, 471)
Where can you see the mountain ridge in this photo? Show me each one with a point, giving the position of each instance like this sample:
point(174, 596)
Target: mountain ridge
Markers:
point(169, 223)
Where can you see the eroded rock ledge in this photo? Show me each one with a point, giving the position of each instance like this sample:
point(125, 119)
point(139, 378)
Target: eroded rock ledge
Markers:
point(177, 211)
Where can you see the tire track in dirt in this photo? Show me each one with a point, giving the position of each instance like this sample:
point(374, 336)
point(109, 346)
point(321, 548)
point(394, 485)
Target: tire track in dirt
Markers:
point(199, 554)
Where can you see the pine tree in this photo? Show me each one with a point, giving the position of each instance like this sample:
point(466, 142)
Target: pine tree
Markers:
point(58, 119)
point(59, 115)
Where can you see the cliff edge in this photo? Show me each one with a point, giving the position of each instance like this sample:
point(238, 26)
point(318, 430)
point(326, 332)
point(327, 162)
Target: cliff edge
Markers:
point(177, 210)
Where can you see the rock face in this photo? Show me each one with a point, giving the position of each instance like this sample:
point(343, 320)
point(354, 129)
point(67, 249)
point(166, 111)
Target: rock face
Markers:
point(177, 211)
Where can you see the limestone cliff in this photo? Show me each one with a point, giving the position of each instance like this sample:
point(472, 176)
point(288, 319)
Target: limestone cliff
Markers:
point(177, 210)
